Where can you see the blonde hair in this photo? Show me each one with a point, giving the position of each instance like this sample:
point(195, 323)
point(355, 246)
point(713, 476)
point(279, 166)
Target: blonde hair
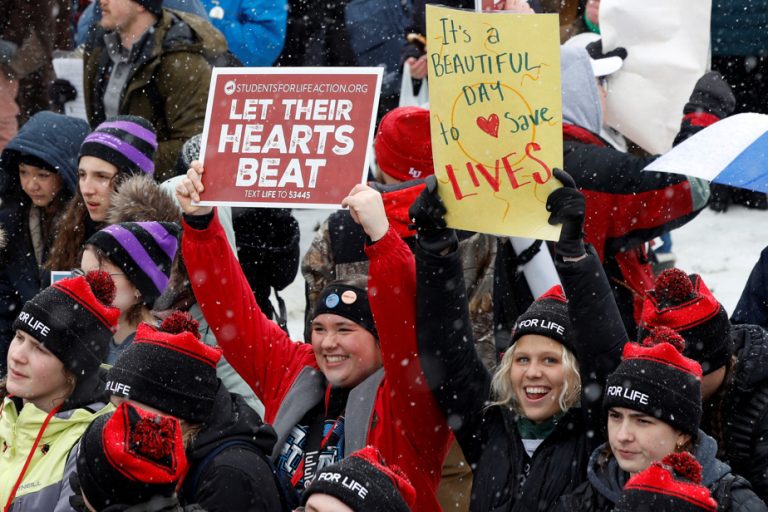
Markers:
point(503, 394)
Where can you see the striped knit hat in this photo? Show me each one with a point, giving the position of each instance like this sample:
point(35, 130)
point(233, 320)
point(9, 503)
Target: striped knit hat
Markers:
point(144, 251)
point(127, 142)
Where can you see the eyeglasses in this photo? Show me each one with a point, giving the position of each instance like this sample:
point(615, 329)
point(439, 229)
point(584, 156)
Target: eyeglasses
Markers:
point(78, 272)
point(603, 81)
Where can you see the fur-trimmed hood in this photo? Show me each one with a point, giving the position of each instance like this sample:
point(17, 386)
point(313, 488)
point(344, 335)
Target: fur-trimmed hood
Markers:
point(140, 199)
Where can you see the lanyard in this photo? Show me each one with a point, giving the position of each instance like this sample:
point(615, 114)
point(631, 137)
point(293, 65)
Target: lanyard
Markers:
point(308, 464)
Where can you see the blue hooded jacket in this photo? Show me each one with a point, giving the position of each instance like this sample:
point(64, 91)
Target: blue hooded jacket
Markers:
point(254, 29)
point(56, 140)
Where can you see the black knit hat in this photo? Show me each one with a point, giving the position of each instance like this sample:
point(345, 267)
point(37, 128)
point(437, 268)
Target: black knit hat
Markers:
point(144, 251)
point(365, 484)
point(127, 142)
point(168, 369)
point(74, 320)
point(129, 457)
point(655, 378)
point(685, 304)
point(347, 301)
point(670, 485)
point(547, 316)
point(153, 6)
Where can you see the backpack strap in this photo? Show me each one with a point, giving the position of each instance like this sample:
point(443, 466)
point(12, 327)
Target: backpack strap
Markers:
point(289, 499)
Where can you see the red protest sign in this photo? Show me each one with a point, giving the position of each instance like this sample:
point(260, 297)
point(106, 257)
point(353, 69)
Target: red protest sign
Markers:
point(287, 137)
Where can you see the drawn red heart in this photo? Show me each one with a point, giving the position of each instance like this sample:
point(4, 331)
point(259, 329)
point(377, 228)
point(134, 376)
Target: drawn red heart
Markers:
point(489, 125)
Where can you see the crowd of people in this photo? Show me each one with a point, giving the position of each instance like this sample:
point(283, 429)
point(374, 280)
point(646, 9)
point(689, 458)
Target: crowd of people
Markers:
point(145, 362)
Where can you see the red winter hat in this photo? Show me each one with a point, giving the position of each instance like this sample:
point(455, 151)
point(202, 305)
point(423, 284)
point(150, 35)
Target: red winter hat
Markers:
point(129, 457)
point(672, 485)
point(365, 484)
point(404, 144)
point(684, 303)
point(169, 369)
point(655, 378)
point(74, 319)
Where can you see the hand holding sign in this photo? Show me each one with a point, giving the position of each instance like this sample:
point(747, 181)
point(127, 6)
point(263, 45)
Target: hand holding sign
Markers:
point(428, 214)
point(189, 189)
point(367, 209)
point(568, 207)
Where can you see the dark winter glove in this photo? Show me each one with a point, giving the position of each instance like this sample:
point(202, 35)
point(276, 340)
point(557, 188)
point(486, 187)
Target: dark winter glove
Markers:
point(567, 206)
point(712, 95)
point(428, 214)
point(595, 50)
point(61, 91)
point(76, 501)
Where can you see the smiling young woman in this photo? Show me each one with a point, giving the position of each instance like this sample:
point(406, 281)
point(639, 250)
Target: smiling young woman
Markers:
point(527, 431)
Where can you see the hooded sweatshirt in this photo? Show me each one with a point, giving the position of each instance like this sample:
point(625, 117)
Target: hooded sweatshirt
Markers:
point(56, 140)
point(239, 477)
point(45, 486)
point(603, 488)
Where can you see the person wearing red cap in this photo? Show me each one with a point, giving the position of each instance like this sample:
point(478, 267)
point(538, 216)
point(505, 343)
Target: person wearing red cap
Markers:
point(168, 370)
point(362, 482)
point(653, 403)
point(132, 459)
point(53, 389)
point(734, 383)
point(357, 383)
point(527, 430)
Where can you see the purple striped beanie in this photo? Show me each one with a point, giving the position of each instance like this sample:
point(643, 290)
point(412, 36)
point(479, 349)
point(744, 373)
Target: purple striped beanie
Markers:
point(127, 142)
point(144, 251)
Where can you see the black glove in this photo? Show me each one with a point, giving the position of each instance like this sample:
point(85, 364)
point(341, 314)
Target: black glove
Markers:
point(61, 91)
point(428, 214)
point(595, 50)
point(568, 206)
point(712, 95)
point(76, 501)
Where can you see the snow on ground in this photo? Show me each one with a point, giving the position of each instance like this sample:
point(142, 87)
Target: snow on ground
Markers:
point(723, 248)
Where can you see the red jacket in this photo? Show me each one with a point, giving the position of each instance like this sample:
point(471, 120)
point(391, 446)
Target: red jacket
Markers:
point(404, 422)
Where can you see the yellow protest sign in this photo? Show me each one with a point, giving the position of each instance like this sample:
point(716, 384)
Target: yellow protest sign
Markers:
point(496, 118)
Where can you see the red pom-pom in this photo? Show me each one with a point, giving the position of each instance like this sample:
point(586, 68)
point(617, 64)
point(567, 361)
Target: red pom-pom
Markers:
point(664, 335)
point(102, 285)
point(153, 437)
point(673, 286)
point(179, 322)
point(685, 465)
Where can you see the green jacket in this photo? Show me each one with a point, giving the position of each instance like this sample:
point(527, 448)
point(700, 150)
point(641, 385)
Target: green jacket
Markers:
point(168, 83)
point(45, 486)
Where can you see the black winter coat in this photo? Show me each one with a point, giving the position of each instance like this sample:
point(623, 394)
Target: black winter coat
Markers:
point(741, 428)
point(604, 485)
point(505, 478)
point(56, 140)
point(238, 478)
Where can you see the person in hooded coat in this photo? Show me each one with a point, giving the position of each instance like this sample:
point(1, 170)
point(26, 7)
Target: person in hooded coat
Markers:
point(653, 404)
point(170, 371)
point(641, 205)
point(528, 430)
point(53, 390)
point(38, 175)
